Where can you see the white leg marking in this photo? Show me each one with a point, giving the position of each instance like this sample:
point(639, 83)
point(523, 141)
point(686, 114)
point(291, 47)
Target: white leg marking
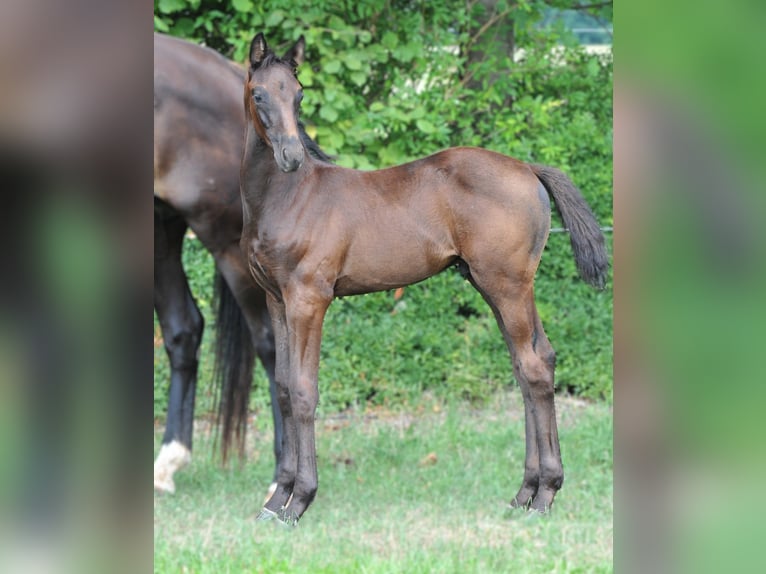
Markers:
point(270, 493)
point(173, 456)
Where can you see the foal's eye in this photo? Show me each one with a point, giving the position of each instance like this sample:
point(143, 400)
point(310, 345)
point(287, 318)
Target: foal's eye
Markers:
point(257, 98)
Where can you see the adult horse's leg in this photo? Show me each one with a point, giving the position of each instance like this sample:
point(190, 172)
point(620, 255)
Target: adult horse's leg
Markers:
point(265, 346)
point(533, 365)
point(305, 310)
point(182, 324)
point(252, 302)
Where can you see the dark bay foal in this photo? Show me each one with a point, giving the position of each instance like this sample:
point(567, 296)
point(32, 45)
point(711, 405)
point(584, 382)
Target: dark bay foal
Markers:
point(314, 231)
point(198, 124)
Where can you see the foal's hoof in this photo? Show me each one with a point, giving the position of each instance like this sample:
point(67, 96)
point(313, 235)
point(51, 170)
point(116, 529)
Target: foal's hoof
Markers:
point(287, 518)
point(266, 515)
point(516, 503)
point(543, 501)
point(538, 510)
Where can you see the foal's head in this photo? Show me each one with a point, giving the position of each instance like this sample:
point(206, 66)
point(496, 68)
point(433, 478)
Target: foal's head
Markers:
point(272, 98)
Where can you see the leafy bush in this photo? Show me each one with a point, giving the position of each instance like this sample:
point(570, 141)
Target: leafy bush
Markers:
point(389, 81)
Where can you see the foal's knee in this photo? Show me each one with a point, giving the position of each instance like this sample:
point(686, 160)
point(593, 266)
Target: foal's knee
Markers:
point(303, 400)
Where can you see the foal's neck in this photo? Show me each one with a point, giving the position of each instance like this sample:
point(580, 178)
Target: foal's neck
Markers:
point(263, 183)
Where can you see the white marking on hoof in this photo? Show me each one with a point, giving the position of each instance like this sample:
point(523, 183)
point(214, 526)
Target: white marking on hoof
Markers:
point(172, 457)
point(270, 493)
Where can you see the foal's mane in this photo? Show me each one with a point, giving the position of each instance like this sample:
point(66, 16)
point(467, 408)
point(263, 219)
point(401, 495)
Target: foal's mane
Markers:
point(312, 146)
point(271, 59)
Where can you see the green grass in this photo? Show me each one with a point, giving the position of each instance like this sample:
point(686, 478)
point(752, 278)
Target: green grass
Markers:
point(418, 491)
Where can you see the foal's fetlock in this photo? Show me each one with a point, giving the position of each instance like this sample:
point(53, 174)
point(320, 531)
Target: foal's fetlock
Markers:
point(279, 498)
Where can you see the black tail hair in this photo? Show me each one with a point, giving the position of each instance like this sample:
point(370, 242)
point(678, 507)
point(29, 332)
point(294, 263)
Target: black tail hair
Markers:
point(233, 371)
point(584, 232)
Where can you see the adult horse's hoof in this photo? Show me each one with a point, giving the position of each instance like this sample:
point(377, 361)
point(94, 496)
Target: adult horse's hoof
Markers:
point(172, 457)
point(164, 486)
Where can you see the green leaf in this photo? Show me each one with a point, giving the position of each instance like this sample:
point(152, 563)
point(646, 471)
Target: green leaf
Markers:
point(333, 139)
point(184, 28)
point(425, 126)
point(331, 67)
point(377, 107)
point(328, 113)
point(418, 113)
point(389, 40)
point(391, 155)
point(170, 6)
point(359, 78)
point(273, 19)
point(160, 25)
point(352, 62)
point(243, 5)
point(378, 53)
point(306, 75)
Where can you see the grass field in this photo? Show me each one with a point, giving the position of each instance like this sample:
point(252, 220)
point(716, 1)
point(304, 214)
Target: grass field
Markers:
point(422, 491)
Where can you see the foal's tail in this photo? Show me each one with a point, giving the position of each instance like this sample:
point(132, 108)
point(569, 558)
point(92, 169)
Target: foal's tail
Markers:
point(233, 371)
point(584, 232)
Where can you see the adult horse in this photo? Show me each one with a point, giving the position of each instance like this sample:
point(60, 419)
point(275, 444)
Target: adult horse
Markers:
point(314, 231)
point(198, 125)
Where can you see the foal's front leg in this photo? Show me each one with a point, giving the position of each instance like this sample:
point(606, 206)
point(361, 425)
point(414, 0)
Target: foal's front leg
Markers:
point(288, 461)
point(305, 311)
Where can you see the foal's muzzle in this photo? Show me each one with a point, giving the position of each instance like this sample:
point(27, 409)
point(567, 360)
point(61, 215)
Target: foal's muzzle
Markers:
point(288, 154)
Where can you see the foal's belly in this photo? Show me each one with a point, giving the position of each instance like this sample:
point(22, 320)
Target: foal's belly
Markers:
point(382, 265)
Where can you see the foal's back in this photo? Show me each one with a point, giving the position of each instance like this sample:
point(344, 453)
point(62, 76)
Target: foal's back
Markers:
point(428, 213)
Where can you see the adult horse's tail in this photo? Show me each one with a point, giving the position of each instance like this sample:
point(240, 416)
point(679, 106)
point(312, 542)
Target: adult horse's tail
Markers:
point(234, 359)
point(584, 231)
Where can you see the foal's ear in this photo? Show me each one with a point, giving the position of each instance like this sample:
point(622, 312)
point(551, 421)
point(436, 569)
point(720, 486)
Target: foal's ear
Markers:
point(258, 50)
point(298, 52)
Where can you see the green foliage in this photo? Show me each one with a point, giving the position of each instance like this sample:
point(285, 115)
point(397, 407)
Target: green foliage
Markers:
point(387, 81)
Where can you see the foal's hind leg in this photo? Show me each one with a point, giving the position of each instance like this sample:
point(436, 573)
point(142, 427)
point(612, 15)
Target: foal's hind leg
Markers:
point(529, 487)
point(533, 365)
point(182, 324)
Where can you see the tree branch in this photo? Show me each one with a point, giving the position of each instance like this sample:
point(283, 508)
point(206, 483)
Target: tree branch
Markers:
point(590, 6)
point(487, 25)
